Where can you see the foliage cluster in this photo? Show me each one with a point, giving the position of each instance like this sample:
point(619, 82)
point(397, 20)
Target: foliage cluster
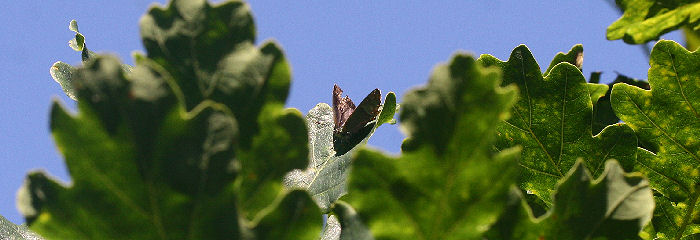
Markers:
point(194, 142)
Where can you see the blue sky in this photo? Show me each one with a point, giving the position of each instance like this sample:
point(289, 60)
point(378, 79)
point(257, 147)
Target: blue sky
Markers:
point(360, 45)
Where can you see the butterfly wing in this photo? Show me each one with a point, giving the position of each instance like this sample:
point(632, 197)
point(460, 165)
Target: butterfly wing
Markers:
point(342, 108)
point(366, 112)
point(354, 128)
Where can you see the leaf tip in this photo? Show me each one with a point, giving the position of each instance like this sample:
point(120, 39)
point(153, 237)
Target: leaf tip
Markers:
point(73, 26)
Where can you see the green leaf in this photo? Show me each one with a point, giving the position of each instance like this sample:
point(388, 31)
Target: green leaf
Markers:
point(389, 109)
point(296, 217)
point(62, 73)
point(265, 164)
point(692, 38)
point(332, 229)
point(345, 224)
point(667, 123)
point(10, 231)
point(441, 187)
point(603, 114)
point(597, 91)
point(210, 52)
point(574, 57)
point(325, 176)
point(134, 154)
point(78, 43)
point(595, 77)
point(552, 122)
point(647, 20)
point(616, 206)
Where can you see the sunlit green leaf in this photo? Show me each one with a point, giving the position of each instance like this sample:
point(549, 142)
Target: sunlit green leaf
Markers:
point(616, 206)
point(603, 114)
point(552, 122)
point(667, 123)
point(574, 57)
point(647, 20)
point(692, 38)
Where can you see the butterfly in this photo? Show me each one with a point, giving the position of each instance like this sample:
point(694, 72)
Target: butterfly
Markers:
point(352, 124)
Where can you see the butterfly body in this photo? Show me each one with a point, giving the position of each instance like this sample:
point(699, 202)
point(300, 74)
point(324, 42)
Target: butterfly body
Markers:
point(353, 124)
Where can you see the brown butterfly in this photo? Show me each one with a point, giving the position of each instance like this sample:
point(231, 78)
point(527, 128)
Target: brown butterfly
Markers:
point(352, 124)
